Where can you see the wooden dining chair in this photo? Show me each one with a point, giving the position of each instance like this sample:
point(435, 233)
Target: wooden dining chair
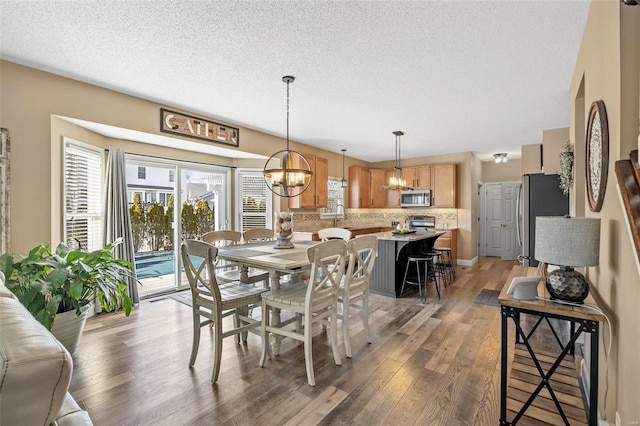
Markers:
point(213, 302)
point(317, 302)
point(229, 271)
point(334, 234)
point(354, 288)
point(258, 234)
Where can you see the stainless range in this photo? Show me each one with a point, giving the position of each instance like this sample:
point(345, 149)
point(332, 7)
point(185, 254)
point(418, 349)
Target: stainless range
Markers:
point(422, 223)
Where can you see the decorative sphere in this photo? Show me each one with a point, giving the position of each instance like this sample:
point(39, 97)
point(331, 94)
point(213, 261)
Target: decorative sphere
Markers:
point(568, 285)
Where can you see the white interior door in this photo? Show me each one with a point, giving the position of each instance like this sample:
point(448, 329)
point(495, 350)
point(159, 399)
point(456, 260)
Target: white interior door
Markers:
point(510, 246)
point(499, 237)
point(494, 220)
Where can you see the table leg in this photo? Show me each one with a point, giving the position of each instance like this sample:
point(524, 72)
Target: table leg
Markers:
point(503, 369)
point(593, 373)
point(274, 278)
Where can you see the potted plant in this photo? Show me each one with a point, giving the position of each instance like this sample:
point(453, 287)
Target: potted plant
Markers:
point(58, 287)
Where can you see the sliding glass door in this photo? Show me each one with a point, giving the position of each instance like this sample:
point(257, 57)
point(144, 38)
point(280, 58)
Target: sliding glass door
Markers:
point(170, 201)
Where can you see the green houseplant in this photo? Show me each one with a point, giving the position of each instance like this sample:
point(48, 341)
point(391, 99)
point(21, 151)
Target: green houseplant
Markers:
point(49, 283)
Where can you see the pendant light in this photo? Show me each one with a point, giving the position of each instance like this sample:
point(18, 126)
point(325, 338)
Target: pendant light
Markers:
point(294, 175)
point(343, 182)
point(396, 181)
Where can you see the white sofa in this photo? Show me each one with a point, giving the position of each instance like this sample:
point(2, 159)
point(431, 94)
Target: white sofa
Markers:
point(35, 371)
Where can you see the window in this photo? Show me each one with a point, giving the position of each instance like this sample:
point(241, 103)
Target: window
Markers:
point(142, 172)
point(254, 201)
point(335, 196)
point(82, 196)
point(172, 175)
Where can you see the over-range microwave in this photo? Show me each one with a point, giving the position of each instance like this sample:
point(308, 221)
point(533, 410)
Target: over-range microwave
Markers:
point(415, 198)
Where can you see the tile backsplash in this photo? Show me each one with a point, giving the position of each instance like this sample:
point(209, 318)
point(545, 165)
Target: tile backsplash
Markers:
point(309, 220)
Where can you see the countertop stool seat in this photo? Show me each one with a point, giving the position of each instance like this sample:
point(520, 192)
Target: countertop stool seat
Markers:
point(426, 261)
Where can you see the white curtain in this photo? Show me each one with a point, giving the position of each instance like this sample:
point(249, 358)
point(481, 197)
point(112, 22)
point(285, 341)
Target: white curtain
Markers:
point(116, 215)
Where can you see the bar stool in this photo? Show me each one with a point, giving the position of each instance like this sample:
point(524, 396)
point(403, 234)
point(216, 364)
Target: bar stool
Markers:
point(439, 270)
point(447, 263)
point(427, 261)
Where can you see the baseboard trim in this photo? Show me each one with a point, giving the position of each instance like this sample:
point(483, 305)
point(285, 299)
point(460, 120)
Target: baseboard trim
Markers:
point(464, 262)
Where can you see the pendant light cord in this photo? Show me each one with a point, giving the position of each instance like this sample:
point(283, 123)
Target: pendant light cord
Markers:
point(287, 115)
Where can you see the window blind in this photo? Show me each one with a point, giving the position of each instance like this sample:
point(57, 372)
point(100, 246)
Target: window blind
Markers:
point(254, 202)
point(83, 168)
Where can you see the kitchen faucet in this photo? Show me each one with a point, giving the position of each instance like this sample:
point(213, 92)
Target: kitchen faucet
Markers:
point(335, 217)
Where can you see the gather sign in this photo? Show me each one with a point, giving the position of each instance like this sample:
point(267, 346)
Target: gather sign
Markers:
point(199, 128)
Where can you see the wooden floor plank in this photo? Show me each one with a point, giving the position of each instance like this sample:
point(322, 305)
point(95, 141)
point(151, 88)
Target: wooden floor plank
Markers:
point(133, 370)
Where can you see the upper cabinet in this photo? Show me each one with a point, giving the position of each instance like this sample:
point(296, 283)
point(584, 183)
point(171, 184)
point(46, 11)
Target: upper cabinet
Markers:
point(359, 187)
point(443, 185)
point(365, 187)
point(378, 194)
point(393, 197)
point(417, 177)
point(316, 195)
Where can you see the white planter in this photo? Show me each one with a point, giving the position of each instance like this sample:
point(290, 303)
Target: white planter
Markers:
point(67, 327)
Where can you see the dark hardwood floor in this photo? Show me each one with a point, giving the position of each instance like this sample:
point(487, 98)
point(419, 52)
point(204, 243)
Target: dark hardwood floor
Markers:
point(429, 364)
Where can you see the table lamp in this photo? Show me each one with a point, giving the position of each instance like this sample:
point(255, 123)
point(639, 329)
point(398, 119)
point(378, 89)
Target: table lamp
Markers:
point(567, 242)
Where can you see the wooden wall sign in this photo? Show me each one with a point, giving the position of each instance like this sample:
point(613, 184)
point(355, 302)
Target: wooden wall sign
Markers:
point(198, 128)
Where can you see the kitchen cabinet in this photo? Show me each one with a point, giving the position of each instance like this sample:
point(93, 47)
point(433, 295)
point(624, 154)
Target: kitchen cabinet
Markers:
point(378, 194)
point(443, 185)
point(417, 177)
point(316, 195)
point(449, 240)
point(393, 197)
point(359, 187)
point(365, 187)
point(365, 231)
point(409, 176)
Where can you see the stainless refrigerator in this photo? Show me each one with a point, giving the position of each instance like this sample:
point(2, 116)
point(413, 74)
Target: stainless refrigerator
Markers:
point(540, 196)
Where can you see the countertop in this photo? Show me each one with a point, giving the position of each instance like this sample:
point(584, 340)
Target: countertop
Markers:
point(350, 228)
point(415, 236)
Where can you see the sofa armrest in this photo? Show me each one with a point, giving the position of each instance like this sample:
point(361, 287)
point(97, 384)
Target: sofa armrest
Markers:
point(35, 369)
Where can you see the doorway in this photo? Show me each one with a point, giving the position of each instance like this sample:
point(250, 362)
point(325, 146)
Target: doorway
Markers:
point(498, 218)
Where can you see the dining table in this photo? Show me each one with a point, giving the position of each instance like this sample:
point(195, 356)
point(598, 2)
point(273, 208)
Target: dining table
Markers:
point(276, 261)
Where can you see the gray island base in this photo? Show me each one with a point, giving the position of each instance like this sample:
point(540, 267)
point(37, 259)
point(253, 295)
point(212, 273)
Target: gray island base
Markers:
point(388, 271)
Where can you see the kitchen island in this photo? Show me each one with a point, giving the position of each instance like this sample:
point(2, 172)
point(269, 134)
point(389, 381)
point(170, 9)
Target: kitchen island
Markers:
point(388, 271)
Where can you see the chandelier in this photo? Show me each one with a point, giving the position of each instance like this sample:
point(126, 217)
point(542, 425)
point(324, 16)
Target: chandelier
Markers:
point(294, 175)
point(396, 181)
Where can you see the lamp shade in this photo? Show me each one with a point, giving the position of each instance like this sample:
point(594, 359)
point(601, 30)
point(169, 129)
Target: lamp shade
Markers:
point(566, 241)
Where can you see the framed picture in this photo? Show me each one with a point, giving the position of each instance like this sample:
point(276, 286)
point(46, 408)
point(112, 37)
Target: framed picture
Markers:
point(597, 159)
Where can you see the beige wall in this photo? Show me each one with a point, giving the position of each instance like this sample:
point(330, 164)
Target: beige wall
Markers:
point(531, 161)
point(30, 99)
point(501, 172)
point(607, 68)
point(552, 142)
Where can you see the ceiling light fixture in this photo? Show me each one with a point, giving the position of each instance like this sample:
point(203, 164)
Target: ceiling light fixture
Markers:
point(294, 175)
point(343, 182)
point(500, 157)
point(396, 181)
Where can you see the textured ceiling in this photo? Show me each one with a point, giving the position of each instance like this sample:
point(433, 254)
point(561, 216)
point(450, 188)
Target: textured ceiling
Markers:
point(481, 76)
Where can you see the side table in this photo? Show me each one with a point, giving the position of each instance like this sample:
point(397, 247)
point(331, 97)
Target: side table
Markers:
point(581, 320)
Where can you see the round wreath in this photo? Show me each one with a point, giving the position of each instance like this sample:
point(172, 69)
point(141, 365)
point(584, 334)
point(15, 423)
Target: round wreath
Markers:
point(566, 167)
